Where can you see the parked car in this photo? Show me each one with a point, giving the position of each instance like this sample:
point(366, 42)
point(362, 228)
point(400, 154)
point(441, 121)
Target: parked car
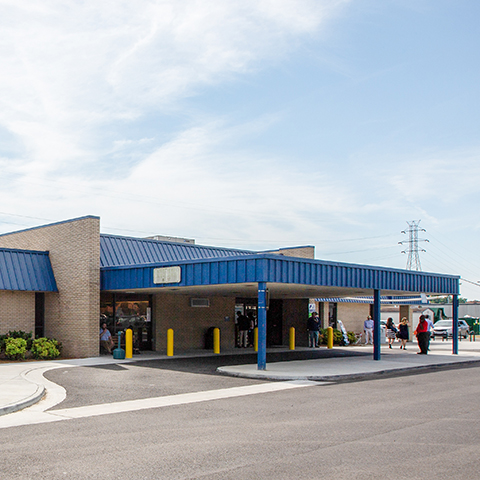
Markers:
point(444, 328)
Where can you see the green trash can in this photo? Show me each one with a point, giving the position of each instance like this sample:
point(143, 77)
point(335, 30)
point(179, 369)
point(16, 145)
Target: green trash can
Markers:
point(119, 353)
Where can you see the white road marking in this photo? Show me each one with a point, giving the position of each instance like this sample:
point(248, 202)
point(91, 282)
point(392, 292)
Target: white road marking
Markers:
point(31, 415)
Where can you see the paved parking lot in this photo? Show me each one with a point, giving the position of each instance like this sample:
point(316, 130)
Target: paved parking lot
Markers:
point(405, 427)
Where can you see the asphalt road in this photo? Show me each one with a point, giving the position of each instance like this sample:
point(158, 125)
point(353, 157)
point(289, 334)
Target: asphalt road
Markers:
point(409, 427)
point(152, 378)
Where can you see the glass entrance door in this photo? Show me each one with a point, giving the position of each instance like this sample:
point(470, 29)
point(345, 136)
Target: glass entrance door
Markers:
point(121, 311)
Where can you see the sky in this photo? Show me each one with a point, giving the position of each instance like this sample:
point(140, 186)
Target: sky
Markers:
point(255, 124)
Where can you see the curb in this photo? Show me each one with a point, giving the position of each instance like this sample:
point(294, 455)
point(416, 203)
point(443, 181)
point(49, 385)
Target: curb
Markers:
point(351, 376)
point(24, 403)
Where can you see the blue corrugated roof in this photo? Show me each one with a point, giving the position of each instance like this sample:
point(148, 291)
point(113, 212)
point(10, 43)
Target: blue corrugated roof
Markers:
point(118, 251)
point(26, 270)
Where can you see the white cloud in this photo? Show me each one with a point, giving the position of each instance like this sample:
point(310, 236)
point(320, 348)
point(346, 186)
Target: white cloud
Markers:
point(71, 68)
point(78, 76)
point(444, 176)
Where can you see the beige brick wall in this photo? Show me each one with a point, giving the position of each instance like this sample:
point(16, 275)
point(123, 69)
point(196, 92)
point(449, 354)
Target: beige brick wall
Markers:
point(72, 315)
point(300, 252)
point(353, 315)
point(17, 311)
point(190, 323)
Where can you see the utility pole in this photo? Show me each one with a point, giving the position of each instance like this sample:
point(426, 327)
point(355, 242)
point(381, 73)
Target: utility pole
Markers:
point(413, 260)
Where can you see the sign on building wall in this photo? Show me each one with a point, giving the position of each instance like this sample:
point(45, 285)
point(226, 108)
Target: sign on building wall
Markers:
point(167, 275)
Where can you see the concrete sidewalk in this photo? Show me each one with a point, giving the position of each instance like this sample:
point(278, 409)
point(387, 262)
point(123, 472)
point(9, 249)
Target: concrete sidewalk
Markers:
point(23, 384)
point(357, 367)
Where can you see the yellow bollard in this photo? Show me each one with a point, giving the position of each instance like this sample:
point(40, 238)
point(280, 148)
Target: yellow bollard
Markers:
point(216, 340)
point(292, 338)
point(329, 337)
point(170, 342)
point(128, 343)
point(255, 339)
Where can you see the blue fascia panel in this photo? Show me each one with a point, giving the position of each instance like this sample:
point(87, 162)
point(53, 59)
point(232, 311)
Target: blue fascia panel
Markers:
point(272, 268)
point(198, 272)
point(286, 270)
point(26, 270)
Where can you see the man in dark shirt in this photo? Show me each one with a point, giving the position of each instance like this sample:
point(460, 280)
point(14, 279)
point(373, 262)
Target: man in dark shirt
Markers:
point(244, 325)
point(313, 327)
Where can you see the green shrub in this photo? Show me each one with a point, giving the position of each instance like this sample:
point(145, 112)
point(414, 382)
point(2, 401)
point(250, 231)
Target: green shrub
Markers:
point(337, 336)
point(21, 334)
point(45, 348)
point(352, 338)
point(15, 348)
point(2, 342)
point(322, 337)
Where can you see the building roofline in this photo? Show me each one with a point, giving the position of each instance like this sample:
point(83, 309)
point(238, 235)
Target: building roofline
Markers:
point(183, 245)
point(23, 250)
point(287, 248)
point(49, 225)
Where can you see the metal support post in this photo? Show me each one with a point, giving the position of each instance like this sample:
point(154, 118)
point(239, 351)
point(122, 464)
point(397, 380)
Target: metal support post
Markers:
point(455, 324)
point(262, 326)
point(376, 325)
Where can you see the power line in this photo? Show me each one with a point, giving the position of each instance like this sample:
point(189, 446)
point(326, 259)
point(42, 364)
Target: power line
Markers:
point(469, 281)
point(468, 261)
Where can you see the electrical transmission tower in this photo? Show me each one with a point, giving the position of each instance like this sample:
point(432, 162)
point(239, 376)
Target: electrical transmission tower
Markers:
point(413, 261)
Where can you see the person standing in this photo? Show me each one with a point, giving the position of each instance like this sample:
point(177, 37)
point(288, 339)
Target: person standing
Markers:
point(391, 331)
point(403, 334)
point(252, 320)
point(243, 328)
point(430, 330)
point(106, 340)
point(422, 335)
point(368, 329)
point(313, 327)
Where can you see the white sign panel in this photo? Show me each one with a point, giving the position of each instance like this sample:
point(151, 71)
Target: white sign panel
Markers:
point(167, 275)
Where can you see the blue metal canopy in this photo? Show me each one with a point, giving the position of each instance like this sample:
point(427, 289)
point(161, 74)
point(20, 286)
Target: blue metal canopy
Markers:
point(26, 270)
point(272, 268)
point(273, 274)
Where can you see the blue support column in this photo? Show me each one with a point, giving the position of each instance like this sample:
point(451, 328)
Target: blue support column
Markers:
point(376, 324)
point(455, 324)
point(262, 326)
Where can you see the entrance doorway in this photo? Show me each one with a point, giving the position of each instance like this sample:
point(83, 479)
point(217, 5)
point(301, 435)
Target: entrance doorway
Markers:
point(275, 323)
point(332, 315)
point(247, 307)
point(122, 310)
